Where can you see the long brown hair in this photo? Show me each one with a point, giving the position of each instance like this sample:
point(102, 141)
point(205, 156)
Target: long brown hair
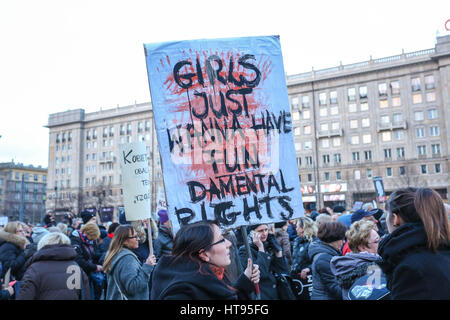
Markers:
point(117, 244)
point(426, 206)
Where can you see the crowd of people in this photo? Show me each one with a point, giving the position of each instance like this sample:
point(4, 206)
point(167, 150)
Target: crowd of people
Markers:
point(402, 252)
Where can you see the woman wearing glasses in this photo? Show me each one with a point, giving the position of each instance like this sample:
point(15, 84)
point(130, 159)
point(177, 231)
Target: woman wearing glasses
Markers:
point(362, 261)
point(196, 268)
point(127, 278)
point(12, 246)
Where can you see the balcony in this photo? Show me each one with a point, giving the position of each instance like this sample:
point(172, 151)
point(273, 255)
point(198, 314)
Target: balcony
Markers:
point(330, 133)
point(107, 159)
point(389, 126)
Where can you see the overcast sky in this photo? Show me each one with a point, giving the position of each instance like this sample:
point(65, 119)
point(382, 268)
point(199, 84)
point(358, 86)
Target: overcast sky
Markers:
point(61, 55)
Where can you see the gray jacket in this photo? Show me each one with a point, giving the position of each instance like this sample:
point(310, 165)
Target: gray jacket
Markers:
point(130, 275)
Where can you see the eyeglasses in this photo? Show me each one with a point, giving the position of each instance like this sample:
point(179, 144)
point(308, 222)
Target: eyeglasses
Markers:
point(134, 237)
point(213, 244)
point(376, 241)
point(22, 231)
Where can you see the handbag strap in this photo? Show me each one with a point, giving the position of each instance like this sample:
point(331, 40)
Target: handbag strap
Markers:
point(124, 297)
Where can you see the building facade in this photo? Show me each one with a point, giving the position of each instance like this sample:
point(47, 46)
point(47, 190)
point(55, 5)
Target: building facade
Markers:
point(84, 172)
point(22, 192)
point(385, 118)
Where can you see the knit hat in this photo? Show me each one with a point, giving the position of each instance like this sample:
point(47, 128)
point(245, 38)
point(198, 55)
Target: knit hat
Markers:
point(86, 216)
point(163, 217)
point(38, 233)
point(338, 209)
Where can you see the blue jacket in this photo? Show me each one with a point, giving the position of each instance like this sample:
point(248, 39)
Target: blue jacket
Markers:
point(130, 275)
point(325, 284)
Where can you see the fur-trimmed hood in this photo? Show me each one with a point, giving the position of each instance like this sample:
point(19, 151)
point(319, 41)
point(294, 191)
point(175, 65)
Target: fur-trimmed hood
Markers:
point(19, 241)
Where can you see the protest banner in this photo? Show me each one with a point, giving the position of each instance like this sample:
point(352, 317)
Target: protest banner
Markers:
point(136, 183)
point(224, 130)
point(379, 189)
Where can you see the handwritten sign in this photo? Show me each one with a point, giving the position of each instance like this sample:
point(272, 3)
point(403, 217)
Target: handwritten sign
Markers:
point(224, 129)
point(135, 180)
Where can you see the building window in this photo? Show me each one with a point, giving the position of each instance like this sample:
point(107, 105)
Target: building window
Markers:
point(57, 138)
point(432, 114)
point(431, 96)
point(402, 171)
point(333, 97)
point(308, 145)
point(294, 102)
point(326, 158)
point(298, 146)
point(367, 138)
point(434, 131)
point(354, 140)
point(369, 173)
point(353, 124)
point(398, 134)
point(105, 132)
point(295, 117)
point(324, 127)
point(307, 129)
point(400, 152)
point(386, 136)
point(423, 169)
point(351, 94)
point(395, 87)
point(334, 110)
point(335, 125)
point(418, 115)
point(384, 119)
point(364, 106)
point(122, 130)
point(415, 84)
point(429, 82)
point(363, 92)
point(437, 168)
point(305, 101)
point(357, 174)
point(389, 172)
point(384, 104)
point(323, 112)
point(421, 150)
point(397, 118)
point(420, 132)
point(382, 89)
point(306, 114)
point(365, 122)
point(140, 127)
point(396, 101)
point(337, 158)
point(309, 177)
point(352, 107)
point(336, 142)
point(436, 149)
point(387, 153)
point(325, 143)
point(322, 99)
point(297, 131)
point(417, 98)
point(299, 162)
point(355, 156)
point(327, 176)
point(338, 175)
point(128, 128)
point(368, 155)
point(308, 160)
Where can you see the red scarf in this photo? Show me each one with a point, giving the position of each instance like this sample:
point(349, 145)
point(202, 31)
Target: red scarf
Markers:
point(218, 271)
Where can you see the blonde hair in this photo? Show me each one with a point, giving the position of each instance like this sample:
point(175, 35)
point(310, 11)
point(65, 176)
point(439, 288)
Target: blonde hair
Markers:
point(53, 238)
point(309, 228)
point(359, 234)
point(11, 227)
point(91, 230)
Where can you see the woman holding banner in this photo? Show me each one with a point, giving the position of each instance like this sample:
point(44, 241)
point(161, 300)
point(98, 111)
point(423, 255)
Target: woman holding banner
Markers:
point(127, 278)
point(196, 268)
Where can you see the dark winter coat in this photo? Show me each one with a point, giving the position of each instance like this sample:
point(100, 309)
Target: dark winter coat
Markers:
point(412, 270)
point(12, 254)
point(300, 257)
point(268, 265)
point(347, 269)
point(163, 244)
point(283, 238)
point(130, 275)
point(49, 274)
point(86, 256)
point(184, 279)
point(325, 284)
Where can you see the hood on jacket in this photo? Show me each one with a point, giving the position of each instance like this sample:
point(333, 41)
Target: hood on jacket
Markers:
point(168, 274)
point(318, 246)
point(19, 241)
point(38, 233)
point(122, 253)
point(351, 266)
point(55, 252)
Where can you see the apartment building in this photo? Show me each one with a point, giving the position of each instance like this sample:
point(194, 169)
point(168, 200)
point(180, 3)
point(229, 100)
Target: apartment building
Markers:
point(386, 117)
